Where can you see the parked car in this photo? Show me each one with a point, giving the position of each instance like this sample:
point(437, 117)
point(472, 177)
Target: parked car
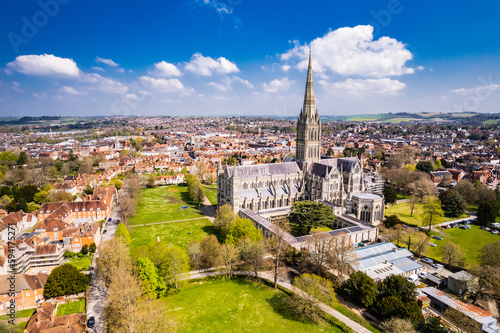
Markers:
point(487, 228)
point(428, 260)
point(494, 232)
point(109, 219)
point(105, 231)
point(445, 227)
point(91, 322)
point(437, 237)
point(432, 244)
point(422, 275)
point(437, 266)
point(463, 227)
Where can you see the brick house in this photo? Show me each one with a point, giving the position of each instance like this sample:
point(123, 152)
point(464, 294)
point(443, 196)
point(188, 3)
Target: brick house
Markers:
point(29, 291)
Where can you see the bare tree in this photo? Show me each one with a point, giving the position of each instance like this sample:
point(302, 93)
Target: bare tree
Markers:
point(398, 325)
point(277, 245)
point(320, 247)
point(229, 255)
point(452, 254)
point(342, 254)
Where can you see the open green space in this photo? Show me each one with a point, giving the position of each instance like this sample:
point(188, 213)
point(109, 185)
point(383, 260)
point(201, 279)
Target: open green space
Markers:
point(220, 305)
point(69, 308)
point(211, 194)
point(403, 211)
point(83, 263)
point(470, 241)
point(20, 314)
point(491, 121)
point(178, 233)
point(164, 203)
point(319, 229)
point(398, 120)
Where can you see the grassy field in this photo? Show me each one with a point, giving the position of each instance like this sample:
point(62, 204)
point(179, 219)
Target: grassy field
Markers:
point(403, 211)
point(234, 306)
point(491, 121)
point(20, 314)
point(73, 307)
point(470, 241)
point(163, 203)
point(211, 194)
point(81, 263)
point(178, 233)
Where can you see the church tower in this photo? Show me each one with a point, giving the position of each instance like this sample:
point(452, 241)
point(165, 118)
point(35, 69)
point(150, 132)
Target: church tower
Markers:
point(308, 126)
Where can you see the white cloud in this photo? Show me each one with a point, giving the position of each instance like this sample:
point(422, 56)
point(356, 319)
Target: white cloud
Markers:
point(219, 6)
point(120, 70)
point(479, 89)
point(352, 51)
point(206, 66)
point(108, 62)
point(227, 83)
point(16, 86)
point(163, 85)
point(360, 87)
point(96, 68)
point(165, 69)
point(132, 97)
point(277, 85)
point(285, 68)
point(45, 65)
point(69, 90)
point(104, 84)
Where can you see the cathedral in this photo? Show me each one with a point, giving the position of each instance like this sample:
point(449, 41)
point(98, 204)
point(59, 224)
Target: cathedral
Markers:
point(339, 182)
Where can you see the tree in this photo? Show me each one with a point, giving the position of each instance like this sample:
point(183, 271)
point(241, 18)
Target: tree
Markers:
point(85, 250)
point(390, 194)
point(306, 215)
point(452, 202)
point(489, 254)
point(433, 214)
point(467, 191)
point(114, 259)
point(434, 325)
point(487, 212)
point(194, 252)
point(59, 196)
point(229, 256)
point(488, 281)
point(463, 323)
point(22, 159)
point(391, 221)
point(422, 188)
point(122, 234)
point(242, 228)
point(92, 247)
point(398, 325)
point(174, 263)
point(399, 287)
point(342, 255)
point(210, 252)
point(254, 256)
point(452, 254)
point(41, 197)
point(413, 202)
point(361, 289)
point(316, 289)
point(196, 190)
point(31, 207)
point(152, 284)
point(116, 183)
point(321, 250)
point(425, 166)
point(65, 280)
point(223, 219)
point(277, 245)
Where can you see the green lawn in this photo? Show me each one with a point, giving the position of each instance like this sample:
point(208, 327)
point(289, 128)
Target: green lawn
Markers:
point(491, 121)
point(164, 203)
point(403, 211)
point(73, 307)
point(178, 233)
point(211, 194)
point(81, 263)
point(351, 315)
point(470, 241)
point(235, 305)
point(20, 314)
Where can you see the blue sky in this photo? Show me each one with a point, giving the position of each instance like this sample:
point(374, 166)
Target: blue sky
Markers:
point(247, 57)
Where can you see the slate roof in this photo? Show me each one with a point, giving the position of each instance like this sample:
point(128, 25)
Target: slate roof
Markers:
point(324, 166)
point(264, 170)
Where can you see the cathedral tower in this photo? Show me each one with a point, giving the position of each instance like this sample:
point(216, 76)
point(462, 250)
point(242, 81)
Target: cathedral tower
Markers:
point(308, 126)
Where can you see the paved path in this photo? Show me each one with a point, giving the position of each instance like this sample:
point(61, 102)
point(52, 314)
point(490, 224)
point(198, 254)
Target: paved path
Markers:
point(269, 276)
point(142, 225)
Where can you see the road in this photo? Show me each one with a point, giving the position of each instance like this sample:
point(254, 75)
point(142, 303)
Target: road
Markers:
point(98, 289)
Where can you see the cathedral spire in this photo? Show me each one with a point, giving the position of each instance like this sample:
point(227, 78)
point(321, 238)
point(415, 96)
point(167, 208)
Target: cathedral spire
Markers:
point(309, 108)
